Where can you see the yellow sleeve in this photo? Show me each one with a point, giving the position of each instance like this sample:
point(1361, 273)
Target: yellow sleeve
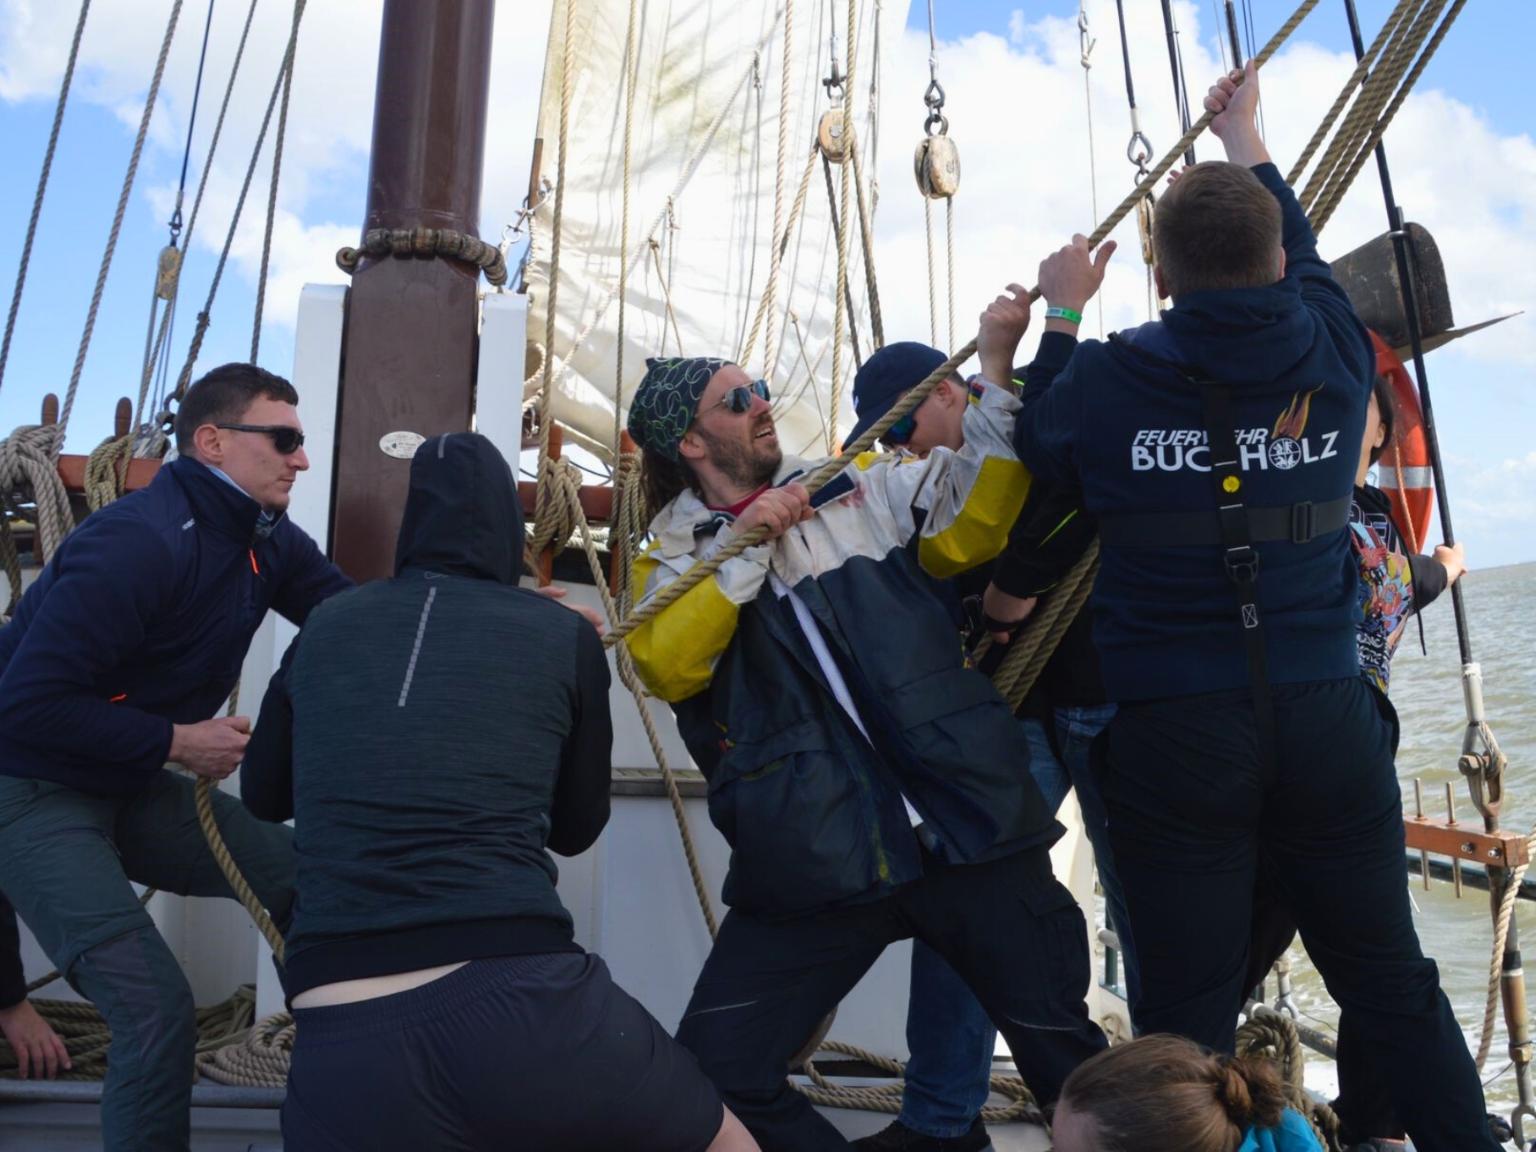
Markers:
point(675, 652)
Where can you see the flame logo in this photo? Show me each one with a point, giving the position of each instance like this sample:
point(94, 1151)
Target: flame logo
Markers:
point(1293, 421)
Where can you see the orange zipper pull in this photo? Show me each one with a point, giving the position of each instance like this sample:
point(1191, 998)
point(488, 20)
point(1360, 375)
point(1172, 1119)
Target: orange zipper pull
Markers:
point(251, 552)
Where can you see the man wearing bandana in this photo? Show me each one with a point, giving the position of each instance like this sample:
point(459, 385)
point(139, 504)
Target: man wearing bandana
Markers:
point(872, 788)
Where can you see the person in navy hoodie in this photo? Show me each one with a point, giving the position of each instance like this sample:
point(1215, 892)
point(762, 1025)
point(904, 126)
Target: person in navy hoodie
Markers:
point(128, 642)
point(1217, 450)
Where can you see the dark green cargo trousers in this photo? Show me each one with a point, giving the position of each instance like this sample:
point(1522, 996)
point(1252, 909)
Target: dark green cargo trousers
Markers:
point(66, 860)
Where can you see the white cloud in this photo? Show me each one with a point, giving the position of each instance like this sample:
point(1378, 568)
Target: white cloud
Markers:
point(1017, 112)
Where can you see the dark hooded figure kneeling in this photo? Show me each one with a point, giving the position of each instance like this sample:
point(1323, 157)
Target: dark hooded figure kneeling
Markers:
point(435, 736)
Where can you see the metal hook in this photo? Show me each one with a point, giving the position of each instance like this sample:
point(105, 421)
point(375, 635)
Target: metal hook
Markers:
point(933, 96)
point(1139, 138)
point(834, 85)
point(939, 119)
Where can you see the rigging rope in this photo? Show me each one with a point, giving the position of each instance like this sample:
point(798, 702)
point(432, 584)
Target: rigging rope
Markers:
point(776, 256)
point(277, 168)
point(42, 187)
point(1335, 194)
point(1085, 46)
point(62, 426)
point(204, 317)
point(162, 352)
point(933, 302)
point(631, 69)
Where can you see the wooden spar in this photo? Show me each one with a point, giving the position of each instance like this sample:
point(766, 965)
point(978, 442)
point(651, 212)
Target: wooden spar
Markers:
point(411, 342)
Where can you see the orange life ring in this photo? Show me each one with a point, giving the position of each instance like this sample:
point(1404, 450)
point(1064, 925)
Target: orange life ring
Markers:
point(1404, 470)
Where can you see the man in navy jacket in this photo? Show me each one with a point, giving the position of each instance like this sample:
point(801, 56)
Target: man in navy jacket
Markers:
point(118, 655)
point(1216, 448)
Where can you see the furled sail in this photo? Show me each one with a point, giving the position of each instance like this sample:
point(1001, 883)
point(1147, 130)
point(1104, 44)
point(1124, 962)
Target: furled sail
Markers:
point(705, 167)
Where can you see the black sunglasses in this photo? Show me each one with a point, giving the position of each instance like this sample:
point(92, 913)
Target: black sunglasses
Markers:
point(739, 399)
point(285, 438)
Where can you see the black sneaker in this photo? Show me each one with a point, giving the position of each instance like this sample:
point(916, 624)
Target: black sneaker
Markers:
point(899, 1138)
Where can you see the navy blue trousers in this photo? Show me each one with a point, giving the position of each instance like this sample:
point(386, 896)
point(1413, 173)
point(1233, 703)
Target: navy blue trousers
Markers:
point(1193, 808)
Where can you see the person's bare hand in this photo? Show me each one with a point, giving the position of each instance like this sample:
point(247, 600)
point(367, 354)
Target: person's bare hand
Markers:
point(38, 1048)
point(591, 615)
point(211, 748)
point(1454, 557)
point(1235, 101)
point(1070, 276)
point(1003, 325)
point(778, 510)
point(1012, 610)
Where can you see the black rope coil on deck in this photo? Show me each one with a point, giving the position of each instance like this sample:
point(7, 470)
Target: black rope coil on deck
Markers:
point(424, 244)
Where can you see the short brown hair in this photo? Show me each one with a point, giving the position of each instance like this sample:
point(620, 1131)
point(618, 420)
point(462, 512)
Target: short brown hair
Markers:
point(1166, 1094)
point(222, 396)
point(1217, 227)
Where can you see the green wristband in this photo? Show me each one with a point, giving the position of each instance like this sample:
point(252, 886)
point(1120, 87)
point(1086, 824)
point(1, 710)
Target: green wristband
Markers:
point(1064, 314)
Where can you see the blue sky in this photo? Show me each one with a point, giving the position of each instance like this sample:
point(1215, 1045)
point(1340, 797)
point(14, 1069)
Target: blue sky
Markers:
point(1485, 407)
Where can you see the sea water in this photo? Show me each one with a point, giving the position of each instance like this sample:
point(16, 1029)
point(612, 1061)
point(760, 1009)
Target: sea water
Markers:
point(1426, 689)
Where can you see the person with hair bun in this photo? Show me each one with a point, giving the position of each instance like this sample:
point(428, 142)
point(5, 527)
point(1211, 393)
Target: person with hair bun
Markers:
point(1163, 1093)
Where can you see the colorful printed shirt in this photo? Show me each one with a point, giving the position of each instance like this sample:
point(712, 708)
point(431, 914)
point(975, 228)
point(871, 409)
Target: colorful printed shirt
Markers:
point(1393, 584)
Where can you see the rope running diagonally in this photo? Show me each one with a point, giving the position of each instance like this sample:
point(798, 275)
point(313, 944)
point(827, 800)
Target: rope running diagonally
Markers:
point(832, 467)
point(42, 187)
point(203, 317)
point(1335, 193)
point(277, 168)
point(62, 426)
point(197, 203)
point(1371, 99)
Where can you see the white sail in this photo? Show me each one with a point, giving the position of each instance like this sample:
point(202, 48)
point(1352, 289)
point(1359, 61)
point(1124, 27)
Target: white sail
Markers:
point(704, 166)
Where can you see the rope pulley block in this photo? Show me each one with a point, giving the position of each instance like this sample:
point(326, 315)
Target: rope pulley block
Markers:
point(167, 272)
point(936, 163)
point(832, 128)
point(1144, 211)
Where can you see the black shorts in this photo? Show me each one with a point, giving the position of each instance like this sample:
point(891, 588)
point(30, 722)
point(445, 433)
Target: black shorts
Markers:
point(540, 1053)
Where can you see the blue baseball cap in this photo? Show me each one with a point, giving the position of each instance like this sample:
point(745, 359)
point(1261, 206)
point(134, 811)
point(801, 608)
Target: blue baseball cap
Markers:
point(892, 370)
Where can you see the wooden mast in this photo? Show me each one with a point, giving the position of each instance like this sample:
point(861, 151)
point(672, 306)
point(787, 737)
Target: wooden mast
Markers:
point(410, 349)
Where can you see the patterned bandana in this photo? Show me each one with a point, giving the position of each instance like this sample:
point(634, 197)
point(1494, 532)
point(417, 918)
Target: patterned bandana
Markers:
point(668, 400)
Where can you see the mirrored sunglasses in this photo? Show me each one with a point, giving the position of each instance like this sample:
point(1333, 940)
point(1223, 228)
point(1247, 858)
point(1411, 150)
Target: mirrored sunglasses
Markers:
point(739, 399)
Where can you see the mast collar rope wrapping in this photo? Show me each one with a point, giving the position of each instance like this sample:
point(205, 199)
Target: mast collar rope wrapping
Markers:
point(426, 244)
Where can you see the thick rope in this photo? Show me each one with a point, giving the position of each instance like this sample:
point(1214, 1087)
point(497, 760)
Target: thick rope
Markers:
point(259, 1058)
point(203, 796)
point(1333, 197)
point(1272, 1035)
point(27, 458)
point(87, 1038)
point(117, 227)
point(781, 244)
point(424, 243)
point(105, 470)
point(631, 70)
point(1037, 642)
point(266, 237)
point(850, 144)
point(776, 256)
point(1496, 962)
point(887, 1097)
point(42, 187)
point(1371, 99)
point(867, 242)
point(204, 317)
point(1364, 66)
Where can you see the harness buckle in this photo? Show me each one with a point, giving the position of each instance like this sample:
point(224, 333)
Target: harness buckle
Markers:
point(1303, 522)
point(1242, 564)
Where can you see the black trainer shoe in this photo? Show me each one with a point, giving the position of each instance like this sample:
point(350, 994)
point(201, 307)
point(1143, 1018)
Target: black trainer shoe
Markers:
point(899, 1138)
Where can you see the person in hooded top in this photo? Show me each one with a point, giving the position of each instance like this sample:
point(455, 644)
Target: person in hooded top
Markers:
point(435, 736)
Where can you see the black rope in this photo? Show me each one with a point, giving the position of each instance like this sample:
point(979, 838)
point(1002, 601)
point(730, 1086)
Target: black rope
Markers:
point(1125, 55)
point(1176, 68)
point(186, 155)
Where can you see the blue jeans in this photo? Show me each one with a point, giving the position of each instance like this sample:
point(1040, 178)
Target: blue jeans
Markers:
point(949, 1036)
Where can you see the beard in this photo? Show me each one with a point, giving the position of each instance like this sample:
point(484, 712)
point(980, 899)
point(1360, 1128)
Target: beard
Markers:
point(747, 462)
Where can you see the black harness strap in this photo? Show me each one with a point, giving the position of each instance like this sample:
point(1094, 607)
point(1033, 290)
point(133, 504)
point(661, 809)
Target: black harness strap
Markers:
point(1294, 523)
point(1239, 558)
